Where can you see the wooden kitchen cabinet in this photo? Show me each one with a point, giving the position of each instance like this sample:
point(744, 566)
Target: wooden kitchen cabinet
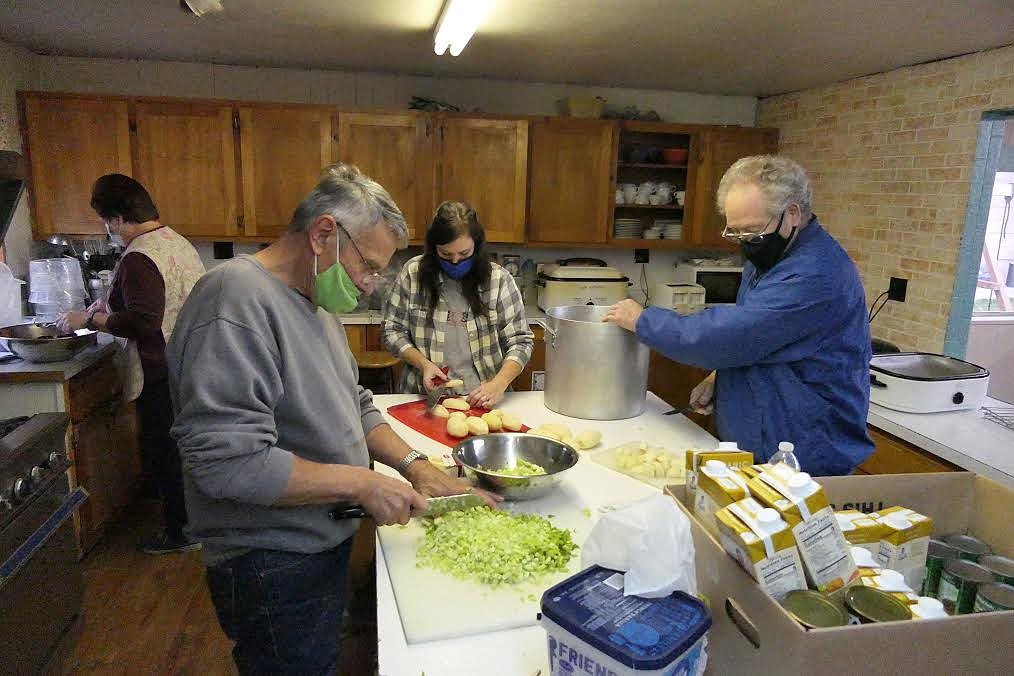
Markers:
point(718, 149)
point(897, 456)
point(398, 151)
point(282, 150)
point(523, 383)
point(70, 142)
point(485, 162)
point(571, 174)
point(184, 154)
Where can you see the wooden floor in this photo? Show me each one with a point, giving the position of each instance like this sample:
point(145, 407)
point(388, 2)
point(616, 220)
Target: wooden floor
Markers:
point(146, 614)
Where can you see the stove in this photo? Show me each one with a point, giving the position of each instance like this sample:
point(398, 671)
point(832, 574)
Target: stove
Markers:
point(40, 576)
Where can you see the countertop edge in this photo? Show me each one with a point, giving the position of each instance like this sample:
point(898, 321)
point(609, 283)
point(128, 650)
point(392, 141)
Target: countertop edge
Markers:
point(57, 372)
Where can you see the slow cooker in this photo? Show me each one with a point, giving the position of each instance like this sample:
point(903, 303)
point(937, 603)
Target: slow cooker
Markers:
point(920, 382)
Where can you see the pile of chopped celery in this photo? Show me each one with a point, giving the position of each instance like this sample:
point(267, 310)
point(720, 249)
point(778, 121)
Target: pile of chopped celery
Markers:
point(494, 547)
point(523, 468)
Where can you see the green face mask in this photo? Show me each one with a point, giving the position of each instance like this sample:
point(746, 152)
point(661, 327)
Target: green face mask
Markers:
point(334, 290)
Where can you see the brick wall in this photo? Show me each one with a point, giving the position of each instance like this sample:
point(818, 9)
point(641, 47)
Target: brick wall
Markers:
point(891, 159)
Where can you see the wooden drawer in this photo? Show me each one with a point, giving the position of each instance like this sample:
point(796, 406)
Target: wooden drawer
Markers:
point(897, 456)
point(93, 387)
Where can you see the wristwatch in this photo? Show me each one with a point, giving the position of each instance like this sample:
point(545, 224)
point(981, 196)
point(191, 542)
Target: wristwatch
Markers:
point(409, 459)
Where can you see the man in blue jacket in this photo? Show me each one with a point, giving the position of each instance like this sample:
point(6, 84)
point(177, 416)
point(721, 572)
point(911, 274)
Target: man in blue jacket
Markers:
point(791, 358)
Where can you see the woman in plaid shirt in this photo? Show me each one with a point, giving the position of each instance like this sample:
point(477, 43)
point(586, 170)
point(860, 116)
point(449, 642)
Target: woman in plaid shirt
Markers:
point(453, 307)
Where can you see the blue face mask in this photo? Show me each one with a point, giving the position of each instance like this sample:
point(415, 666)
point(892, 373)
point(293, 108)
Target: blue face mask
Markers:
point(457, 270)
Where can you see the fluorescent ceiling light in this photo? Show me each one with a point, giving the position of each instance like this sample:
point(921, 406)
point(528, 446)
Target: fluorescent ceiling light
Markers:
point(457, 24)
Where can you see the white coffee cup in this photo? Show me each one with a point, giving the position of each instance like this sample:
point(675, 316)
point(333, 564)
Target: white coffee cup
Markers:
point(619, 196)
point(629, 192)
point(681, 197)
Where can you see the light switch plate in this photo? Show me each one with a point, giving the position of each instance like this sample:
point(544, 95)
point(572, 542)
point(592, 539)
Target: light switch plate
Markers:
point(538, 381)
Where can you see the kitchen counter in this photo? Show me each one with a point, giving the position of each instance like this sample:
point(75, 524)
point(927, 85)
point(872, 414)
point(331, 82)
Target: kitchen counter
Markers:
point(964, 438)
point(522, 651)
point(21, 371)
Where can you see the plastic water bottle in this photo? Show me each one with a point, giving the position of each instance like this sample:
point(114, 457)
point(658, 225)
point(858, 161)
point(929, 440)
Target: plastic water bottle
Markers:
point(785, 454)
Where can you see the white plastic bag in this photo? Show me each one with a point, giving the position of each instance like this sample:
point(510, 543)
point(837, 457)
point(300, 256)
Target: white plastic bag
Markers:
point(650, 541)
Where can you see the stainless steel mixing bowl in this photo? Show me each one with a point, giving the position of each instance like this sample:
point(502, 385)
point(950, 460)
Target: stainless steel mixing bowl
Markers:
point(500, 451)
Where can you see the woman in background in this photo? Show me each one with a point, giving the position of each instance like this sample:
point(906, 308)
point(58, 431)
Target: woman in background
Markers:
point(454, 308)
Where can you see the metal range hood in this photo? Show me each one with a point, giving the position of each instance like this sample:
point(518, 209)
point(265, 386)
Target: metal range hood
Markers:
point(12, 184)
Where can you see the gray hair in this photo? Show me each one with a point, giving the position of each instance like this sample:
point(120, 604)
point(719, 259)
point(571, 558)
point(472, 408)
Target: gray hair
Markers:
point(355, 200)
point(782, 181)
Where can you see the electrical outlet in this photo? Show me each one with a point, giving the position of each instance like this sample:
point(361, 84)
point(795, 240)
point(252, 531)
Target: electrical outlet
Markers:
point(640, 255)
point(897, 289)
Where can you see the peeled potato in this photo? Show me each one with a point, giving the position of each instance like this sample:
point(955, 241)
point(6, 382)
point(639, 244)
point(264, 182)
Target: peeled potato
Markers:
point(454, 384)
point(497, 411)
point(511, 422)
point(588, 439)
point(456, 404)
point(543, 432)
point(492, 421)
point(477, 425)
point(460, 415)
point(457, 427)
point(440, 412)
point(560, 431)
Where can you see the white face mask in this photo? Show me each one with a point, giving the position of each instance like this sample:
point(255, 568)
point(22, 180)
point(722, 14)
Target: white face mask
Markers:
point(114, 237)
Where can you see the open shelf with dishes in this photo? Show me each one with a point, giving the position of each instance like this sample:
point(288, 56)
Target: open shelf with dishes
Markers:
point(651, 187)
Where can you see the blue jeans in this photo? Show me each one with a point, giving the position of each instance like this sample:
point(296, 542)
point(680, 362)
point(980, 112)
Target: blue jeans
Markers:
point(283, 610)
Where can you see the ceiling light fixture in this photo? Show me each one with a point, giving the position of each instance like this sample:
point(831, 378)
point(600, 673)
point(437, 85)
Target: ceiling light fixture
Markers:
point(457, 24)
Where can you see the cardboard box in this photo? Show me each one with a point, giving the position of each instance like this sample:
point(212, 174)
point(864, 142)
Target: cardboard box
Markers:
point(752, 634)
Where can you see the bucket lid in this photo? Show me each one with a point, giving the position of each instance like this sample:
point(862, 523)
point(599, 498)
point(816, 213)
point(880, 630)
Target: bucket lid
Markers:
point(640, 633)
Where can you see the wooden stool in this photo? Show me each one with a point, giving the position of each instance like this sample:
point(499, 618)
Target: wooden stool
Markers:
point(374, 360)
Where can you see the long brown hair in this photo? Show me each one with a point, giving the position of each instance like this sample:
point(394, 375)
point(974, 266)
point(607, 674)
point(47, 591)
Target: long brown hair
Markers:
point(454, 220)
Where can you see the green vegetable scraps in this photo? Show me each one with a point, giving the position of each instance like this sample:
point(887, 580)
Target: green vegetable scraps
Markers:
point(523, 468)
point(494, 547)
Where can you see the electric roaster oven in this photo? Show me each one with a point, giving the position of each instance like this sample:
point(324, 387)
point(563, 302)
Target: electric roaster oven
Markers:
point(580, 282)
point(919, 382)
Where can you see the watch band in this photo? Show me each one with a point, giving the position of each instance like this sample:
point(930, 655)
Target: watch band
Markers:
point(409, 459)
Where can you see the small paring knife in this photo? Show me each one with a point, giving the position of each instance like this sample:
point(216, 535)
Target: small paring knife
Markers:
point(682, 411)
point(437, 506)
point(434, 396)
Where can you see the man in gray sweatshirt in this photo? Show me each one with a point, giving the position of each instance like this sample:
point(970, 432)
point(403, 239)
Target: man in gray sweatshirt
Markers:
point(274, 429)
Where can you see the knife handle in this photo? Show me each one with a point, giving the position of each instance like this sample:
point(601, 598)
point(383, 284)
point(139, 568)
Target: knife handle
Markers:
point(342, 512)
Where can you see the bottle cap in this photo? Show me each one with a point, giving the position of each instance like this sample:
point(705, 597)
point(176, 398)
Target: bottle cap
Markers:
point(799, 481)
point(863, 557)
point(786, 446)
point(768, 516)
point(892, 578)
point(727, 446)
point(897, 521)
point(716, 467)
point(927, 605)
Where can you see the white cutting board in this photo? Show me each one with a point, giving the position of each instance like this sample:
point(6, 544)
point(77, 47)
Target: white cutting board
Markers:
point(433, 605)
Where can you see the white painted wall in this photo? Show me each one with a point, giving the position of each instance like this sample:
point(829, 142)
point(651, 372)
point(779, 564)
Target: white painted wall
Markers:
point(991, 345)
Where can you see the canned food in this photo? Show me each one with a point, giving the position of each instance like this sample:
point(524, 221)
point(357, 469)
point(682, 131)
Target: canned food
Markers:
point(872, 605)
point(992, 597)
point(958, 584)
point(936, 555)
point(1001, 567)
point(813, 609)
point(969, 548)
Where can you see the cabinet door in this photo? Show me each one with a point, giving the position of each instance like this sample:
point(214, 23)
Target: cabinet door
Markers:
point(396, 150)
point(70, 143)
point(282, 151)
point(896, 456)
point(719, 149)
point(185, 157)
point(571, 180)
point(485, 163)
point(523, 383)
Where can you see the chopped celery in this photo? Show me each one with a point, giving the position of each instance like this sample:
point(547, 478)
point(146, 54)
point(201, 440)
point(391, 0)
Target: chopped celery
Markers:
point(523, 468)
point(494, 547)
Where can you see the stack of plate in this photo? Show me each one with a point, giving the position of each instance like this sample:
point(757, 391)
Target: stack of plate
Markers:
point(627, 228)
point(671, 228)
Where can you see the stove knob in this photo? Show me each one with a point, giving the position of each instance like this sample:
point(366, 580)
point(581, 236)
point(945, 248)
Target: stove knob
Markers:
point(38, 472)
point(958, 397)
point(21, 490)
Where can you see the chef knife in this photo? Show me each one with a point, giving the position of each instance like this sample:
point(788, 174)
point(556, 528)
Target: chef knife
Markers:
point(435, 507)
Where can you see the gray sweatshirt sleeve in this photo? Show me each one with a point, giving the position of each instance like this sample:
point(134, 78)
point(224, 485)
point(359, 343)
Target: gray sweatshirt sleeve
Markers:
point(226, 385)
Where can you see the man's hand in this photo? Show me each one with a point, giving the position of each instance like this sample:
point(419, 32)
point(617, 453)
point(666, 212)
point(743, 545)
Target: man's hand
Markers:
point(487, 394)
point(701, 398)
point(69, 322)
point(432, 376)
point(433, 483)
point(624, 314)
point(390, 501)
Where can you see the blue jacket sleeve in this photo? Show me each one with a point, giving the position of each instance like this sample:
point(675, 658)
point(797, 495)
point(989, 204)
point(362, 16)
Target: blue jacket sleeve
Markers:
point(779, 321)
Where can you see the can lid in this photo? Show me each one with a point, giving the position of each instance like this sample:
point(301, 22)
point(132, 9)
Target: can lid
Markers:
point(968, 570)
point(1000, 565)
point(997, 594)
point(941, 550)
point(812, 609)
point(641, 633)
point(874, 605)
point(967, 543)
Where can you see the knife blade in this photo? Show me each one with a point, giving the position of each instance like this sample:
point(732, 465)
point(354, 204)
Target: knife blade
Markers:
point(433, 396)
point(435, 507)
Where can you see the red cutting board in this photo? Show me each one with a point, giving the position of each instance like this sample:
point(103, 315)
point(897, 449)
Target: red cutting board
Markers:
point(415, 415)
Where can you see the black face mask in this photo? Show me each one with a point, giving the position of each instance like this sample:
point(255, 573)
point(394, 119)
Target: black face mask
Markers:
point(764, 251)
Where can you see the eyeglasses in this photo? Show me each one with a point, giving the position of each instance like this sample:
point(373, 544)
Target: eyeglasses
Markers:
point(372, 269)
point(751, 234)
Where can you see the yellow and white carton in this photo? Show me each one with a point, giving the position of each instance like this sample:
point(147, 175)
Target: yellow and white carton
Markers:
point(727, 451)
point(904, 543)
point(861, 530)
point(803, 504)
point(718, 485)
point(762, 543)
